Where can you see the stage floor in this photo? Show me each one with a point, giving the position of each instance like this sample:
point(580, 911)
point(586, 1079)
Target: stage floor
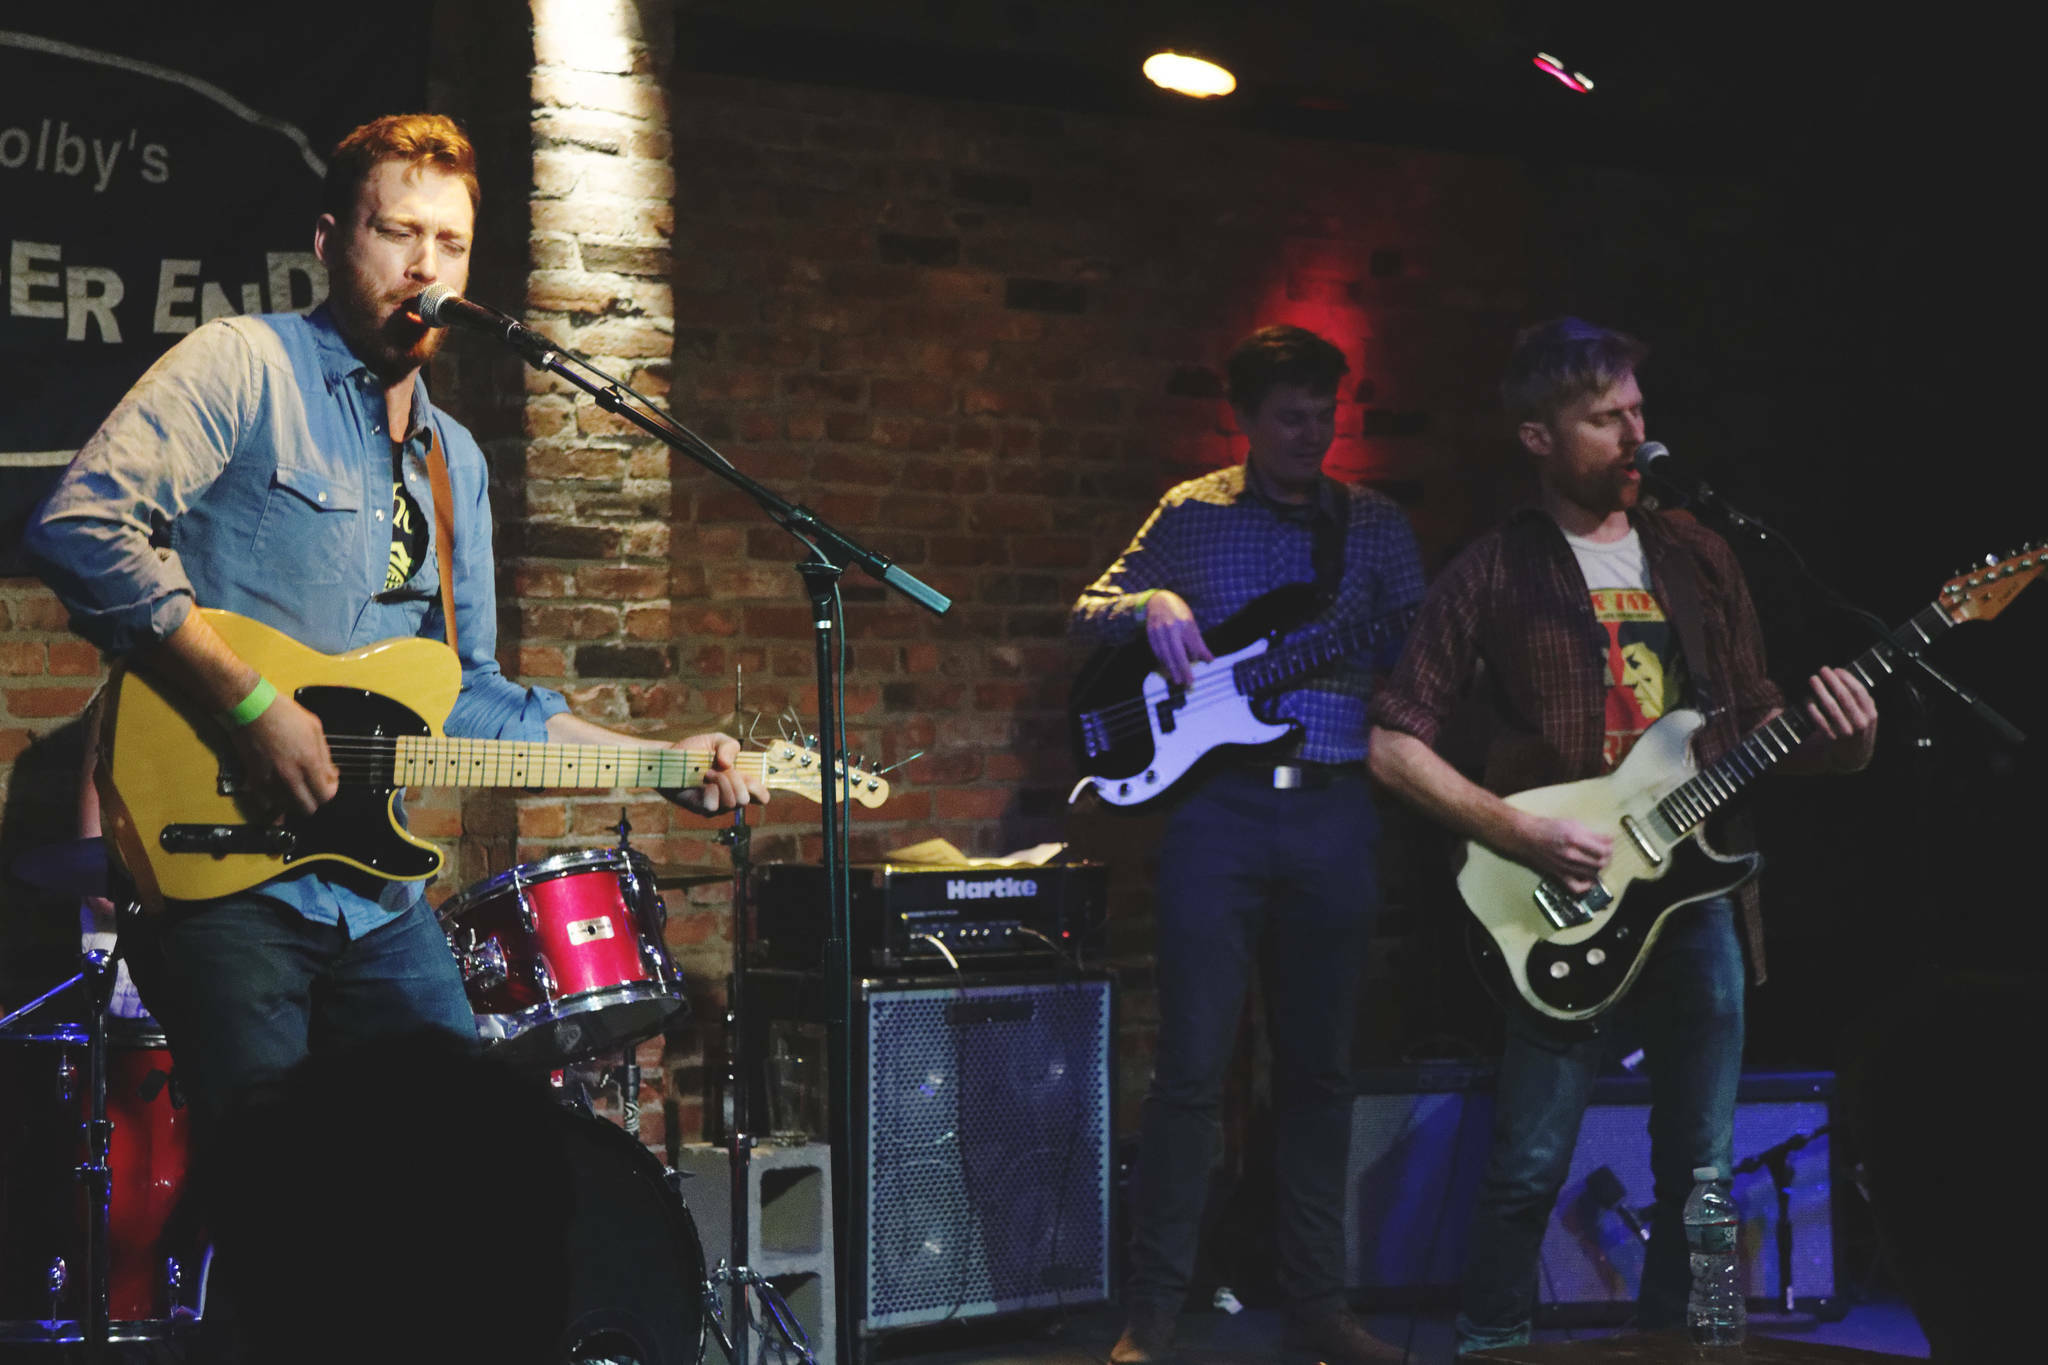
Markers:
point(1252, 1338)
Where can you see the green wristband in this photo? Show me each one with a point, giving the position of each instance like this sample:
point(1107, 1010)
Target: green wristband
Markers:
point(248, 708)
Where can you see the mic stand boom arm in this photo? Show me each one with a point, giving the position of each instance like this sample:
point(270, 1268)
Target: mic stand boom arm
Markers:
point(832, 550)
point(1904, 649)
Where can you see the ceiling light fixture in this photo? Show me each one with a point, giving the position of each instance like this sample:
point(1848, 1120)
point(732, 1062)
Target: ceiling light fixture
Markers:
point(1185, 75)
point(1571, 80)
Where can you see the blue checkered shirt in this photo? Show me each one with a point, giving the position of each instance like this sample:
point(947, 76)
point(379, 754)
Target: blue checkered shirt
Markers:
point(1220, 545)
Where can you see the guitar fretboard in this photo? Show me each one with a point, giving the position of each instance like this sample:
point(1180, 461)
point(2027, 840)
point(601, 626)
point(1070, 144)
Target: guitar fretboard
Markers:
point(430, 762)
point(1690, 805)
point(1278, 667)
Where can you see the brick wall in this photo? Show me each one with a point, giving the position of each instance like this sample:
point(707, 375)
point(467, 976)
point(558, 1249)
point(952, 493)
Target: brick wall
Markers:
point(982, 337)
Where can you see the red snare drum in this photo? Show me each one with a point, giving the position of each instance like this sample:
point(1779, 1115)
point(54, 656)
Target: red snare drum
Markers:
point(563, 958)
point(153, 1267)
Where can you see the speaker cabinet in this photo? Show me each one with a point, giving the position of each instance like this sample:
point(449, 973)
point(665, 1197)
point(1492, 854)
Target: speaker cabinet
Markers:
point(985, 1163)
point(981, 1161)
point(1419, 1141)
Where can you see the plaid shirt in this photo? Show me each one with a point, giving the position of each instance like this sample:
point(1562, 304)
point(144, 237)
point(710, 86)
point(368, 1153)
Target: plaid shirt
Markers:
point(1509, 625)
point(1219, 545)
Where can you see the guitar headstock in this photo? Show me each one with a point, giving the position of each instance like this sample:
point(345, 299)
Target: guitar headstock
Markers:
point(1980, 593)
point(788, 765)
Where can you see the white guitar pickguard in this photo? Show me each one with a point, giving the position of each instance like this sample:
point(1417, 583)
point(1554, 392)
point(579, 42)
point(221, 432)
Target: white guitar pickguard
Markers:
point(1210, 711)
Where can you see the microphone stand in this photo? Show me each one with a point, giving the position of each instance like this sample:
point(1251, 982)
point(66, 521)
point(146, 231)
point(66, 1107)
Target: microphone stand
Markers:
point(1905, 648)
point(831, 552)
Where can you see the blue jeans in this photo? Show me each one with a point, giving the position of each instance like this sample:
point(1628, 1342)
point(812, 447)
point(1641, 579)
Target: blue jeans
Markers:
point(1686, 1013)
point(245, 987)
point(1241, 861)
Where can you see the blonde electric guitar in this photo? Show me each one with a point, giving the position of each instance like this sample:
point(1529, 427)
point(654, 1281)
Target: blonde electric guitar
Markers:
point(1571, 955)
point(185, 826)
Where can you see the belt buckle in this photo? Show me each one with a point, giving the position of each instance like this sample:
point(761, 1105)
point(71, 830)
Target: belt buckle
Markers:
point(1289, 777)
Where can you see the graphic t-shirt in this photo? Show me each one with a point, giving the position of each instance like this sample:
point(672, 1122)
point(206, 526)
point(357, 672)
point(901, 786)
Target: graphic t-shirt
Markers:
point(1645, 667)
point(408, 529)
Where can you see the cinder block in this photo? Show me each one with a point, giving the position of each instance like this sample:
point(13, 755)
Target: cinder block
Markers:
point(789, 1225)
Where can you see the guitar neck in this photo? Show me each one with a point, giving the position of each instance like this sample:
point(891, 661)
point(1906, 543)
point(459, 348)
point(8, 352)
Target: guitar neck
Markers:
point(1278, 667)
point(1688, 806)
point(445, 762)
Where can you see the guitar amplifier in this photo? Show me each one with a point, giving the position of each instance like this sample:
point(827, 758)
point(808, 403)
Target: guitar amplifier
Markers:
point(909, 918)
point(1419, 1143)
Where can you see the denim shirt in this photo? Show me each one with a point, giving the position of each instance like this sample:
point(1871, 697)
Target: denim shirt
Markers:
point(249, 469)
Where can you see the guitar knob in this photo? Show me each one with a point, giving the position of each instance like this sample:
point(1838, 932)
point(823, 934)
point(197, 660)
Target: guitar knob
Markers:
point(1560, 969)
point(1595, 956)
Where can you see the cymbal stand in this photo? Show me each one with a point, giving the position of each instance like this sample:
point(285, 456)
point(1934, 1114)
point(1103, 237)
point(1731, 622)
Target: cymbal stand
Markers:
point(98, 1179)
point(628, 1072)
point(96, 975)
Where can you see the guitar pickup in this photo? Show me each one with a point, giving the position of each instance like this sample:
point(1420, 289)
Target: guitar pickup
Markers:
point(1564, 910)
point(1643, 845)
point(223, 839)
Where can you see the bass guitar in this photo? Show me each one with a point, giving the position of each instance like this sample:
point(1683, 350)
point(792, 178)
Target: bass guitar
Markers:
point(1572, 955)
point(177, 810)
point(1135, 733)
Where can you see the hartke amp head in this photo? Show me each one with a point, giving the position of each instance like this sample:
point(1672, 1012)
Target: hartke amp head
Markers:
point(993, 916)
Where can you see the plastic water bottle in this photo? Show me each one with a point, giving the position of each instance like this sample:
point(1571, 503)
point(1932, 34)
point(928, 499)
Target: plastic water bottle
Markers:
point(1715, 1313)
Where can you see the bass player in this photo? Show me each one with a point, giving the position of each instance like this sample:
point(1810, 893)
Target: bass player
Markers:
point(1272, 844)
point(1574, 626)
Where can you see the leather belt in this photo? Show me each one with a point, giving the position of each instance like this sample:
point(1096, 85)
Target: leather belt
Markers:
point(1299, 775)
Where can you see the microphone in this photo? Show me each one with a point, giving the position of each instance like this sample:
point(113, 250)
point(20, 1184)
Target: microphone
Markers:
point(1603, 1187)
point(440, 306)
point(1653, 460)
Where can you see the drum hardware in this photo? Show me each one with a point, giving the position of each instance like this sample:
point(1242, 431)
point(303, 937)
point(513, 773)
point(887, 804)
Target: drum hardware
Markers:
point(481, 963)
point(97, 977)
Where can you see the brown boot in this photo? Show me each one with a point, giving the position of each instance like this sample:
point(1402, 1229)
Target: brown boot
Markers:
point(1332, 1336)
point(1147, 1338)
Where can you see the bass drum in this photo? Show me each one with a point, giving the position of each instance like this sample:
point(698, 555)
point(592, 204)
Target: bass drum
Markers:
point(636, 1266)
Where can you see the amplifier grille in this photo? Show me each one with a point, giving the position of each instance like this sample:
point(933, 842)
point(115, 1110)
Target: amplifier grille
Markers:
point(988, 1157)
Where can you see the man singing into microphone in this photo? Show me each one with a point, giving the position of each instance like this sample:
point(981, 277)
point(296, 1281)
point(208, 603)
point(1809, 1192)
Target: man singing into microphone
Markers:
point(281, 467)
point(1572, 627)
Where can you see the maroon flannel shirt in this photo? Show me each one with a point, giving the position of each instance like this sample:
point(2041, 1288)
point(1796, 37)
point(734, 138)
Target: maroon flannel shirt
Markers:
point(1508, 628)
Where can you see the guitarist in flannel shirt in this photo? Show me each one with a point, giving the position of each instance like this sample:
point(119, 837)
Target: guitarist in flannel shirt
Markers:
point(1575, 625)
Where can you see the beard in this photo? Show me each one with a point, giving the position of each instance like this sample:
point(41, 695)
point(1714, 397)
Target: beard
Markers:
point(379, 328)
point(1613, 489)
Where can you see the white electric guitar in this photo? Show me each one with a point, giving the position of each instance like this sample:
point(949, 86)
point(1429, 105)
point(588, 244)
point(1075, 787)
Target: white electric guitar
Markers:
point(1571, 955)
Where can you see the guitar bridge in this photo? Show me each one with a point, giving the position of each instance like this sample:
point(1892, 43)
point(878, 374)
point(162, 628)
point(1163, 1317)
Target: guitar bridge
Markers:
point(1563, 910)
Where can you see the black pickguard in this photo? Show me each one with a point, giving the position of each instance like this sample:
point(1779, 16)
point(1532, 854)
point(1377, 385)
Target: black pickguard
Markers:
point(1697, 873)
point(358, 823)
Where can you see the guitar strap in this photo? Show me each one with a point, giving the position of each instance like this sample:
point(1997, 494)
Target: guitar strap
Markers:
point(1328, 526)
point(444, 526)
point(1681, 580)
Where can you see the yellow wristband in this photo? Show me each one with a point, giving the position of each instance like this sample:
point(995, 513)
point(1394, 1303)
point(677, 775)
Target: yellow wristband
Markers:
point(250, 707)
